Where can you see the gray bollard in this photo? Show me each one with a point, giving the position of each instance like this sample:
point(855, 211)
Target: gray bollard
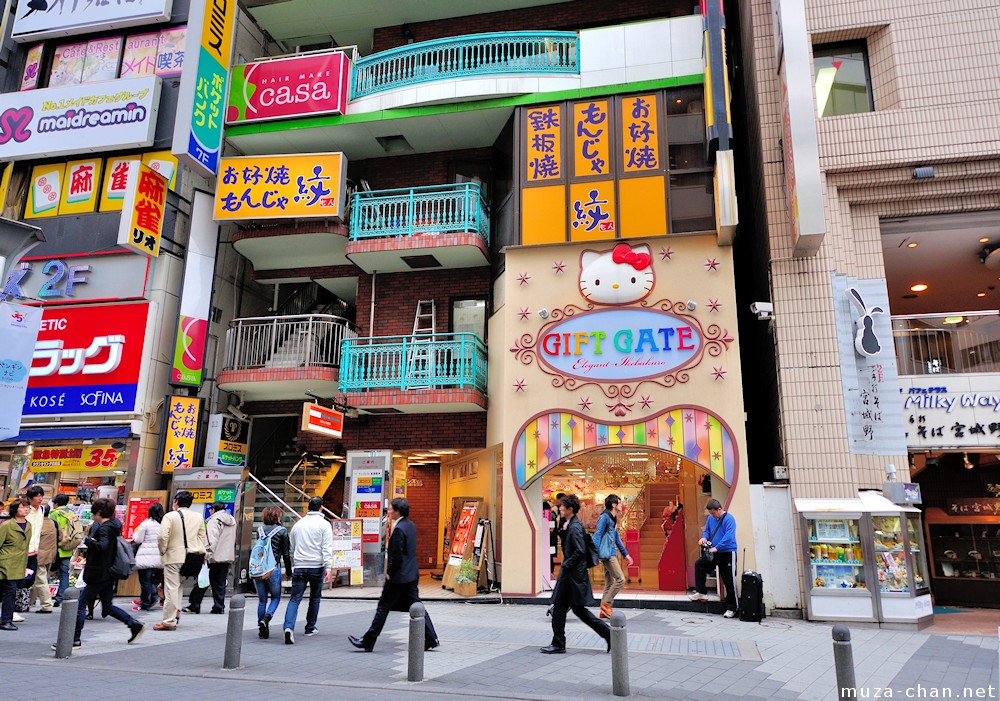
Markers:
point(415, 656)
point(619, 655)
point(843, 662)
point(67, 623)
point(234, 632)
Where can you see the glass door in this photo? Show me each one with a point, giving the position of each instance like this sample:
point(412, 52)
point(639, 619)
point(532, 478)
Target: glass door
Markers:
point(890, 555)
point(915, 541)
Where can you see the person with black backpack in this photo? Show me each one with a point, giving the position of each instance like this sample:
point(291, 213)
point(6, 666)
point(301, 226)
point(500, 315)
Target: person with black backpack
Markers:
point(718, 548)
point(102, 555)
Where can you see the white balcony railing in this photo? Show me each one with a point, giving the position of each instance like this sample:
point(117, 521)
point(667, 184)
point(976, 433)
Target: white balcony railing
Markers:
point(962, 342)
point(286, 341)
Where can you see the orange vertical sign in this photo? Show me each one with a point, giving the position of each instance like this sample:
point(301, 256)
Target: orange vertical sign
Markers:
point(543, 145)
point(591, 138)
point(640, 134)
point(143, 210)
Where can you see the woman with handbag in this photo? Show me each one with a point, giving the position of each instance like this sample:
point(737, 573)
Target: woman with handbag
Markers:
point(147, 558)
point(15, 533)
point(609, 543)
point(718, 547)
point(181, 541)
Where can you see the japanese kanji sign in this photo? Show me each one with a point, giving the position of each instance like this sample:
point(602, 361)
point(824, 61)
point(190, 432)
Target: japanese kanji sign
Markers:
point(591, 138)
point(942, 411)
point(640, 134)
point(274, 187)
point(116, 174)
point(72, 458)
point(181, 432)
point(143, 209)
point(80, 187)
point(42, 20)
point(544, 144)
point(202, 100)
point(592, 210)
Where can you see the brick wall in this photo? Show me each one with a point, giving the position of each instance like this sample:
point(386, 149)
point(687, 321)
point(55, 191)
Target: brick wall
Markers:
point(564, 16)
point(414, 171)
point(425, 503)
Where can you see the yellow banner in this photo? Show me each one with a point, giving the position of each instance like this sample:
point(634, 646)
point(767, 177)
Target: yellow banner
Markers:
point(640, 134)
point(592, 210)
point(81, 186)
point(74, 458)
point(143, 209)
point(43, 193)
point(181, 431)
point(217, 30)
point(543, 154)
point(276, 187)
point(115, 183)
point(591, 138)
point(203, 496)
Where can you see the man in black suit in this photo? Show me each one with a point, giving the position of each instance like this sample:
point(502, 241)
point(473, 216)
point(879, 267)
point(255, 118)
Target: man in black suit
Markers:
point(402, 574)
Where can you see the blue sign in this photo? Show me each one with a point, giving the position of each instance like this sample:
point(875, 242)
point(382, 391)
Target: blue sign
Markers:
point(79, 399)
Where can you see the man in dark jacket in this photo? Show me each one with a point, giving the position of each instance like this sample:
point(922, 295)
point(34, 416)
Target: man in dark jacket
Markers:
point(102, 549)
point(402, 574)
point(572, 590)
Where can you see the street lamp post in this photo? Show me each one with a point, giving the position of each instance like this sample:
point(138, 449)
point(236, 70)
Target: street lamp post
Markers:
point(16, 239)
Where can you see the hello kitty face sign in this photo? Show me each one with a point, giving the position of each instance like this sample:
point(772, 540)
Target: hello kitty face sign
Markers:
point(622, 275)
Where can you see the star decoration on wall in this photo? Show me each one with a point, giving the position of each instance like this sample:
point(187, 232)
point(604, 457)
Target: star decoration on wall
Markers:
point(520, 384)
point(645, 401)
point(524, 313)
point(666, 253)
point(714, 305)
point(559, 266)
point(711, 264)
point(585, 403)
point(716, 456)
point(523, 278)
point(718, 373)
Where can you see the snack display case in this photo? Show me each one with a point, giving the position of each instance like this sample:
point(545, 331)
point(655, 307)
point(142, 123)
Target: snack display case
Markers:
point(864, 560)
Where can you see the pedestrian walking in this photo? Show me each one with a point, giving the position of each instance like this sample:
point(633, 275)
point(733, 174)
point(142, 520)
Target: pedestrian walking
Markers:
point(15, 534)
point(269, 588)
point(220, 551)
point(102, 550)
point(718, 547)
point(573, 591)
point(181, 531)
point(608, 542)
point(402, 576)
point(312, 559)
point(47, 547)
point(35, 496)
point(147, 557)
point(70, 534)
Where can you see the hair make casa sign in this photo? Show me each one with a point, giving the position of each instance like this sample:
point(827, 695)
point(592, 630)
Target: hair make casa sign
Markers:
point(289, 87)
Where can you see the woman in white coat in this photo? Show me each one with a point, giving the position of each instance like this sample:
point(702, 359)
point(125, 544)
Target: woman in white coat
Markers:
point(147, 558)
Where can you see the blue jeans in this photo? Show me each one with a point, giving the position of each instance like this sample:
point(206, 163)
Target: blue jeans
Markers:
point(301, 576)
point(63, 564)
point(269, 588)
point(148, 579)
point(103, 592)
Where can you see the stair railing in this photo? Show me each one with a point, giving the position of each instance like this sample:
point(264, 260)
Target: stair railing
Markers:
point(307, 497)
point(636, 512)
point(274, 496)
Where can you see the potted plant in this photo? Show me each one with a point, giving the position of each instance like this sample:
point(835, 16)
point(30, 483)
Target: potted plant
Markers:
point(465, 580)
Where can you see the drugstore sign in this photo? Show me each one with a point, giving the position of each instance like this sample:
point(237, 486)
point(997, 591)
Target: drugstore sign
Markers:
point(619, 345)
point(115, 114)
point(88, 360)
point(288, 87)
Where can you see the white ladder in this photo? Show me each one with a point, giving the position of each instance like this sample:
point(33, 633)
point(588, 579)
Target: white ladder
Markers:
point(425, 318)
point(419, 364)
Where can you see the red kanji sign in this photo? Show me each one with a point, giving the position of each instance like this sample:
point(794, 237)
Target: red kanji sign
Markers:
point(143, 209)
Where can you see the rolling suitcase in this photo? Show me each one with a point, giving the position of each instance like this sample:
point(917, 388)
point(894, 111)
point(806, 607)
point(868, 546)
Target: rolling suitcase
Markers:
point(751, 597)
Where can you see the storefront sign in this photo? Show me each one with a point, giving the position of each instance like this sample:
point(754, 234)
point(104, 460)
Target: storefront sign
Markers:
point(98, 277)
point(44, 190)
point(973, 507)
point(367, 470)
point(207, 55)
point(619, 344)
point(20, 326)
point(226, 441)
point(80, 187)
point(640, 134)
point(326, 422)
point(137, 511)
point(275, 187)
point(74, 458)
point(951, 411)
point(180, 432)
point(544, 144)
point(196, 295)
point(43, 19)
point(143, 208)
point(463, 532)
point(289, 87)
point(89, 360)
point(94, 117)
point(203, 496)
point(591, 138)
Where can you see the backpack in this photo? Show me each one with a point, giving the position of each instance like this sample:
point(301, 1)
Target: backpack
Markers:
point(262, 562)
point(124, 562)
point(70, 537)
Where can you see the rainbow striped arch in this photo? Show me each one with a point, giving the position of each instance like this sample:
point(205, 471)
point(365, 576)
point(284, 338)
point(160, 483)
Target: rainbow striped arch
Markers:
point(690, 431)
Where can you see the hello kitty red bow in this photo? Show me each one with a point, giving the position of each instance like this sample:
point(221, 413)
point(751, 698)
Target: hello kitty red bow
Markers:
point(623, 253)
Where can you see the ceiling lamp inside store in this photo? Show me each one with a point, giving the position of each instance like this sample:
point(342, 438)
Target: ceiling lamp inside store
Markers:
point(919, 287)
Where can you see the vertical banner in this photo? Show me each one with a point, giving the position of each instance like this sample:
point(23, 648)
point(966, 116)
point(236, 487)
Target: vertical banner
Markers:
point(19, 327)
point(181, 432)
point(143, 208)
point(196, 295)
point(202, 100)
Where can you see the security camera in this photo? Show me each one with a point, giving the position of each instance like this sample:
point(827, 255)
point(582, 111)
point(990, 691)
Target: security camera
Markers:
point(890, 472)
point(763, 310)
point(544, 313)
point(238, 413)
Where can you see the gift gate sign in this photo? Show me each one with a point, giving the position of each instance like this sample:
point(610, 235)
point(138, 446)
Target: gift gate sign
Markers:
point(274, 187)
point(88, 360)
point(115, 114)
point(288, 87)
point(41, 19)
point(619, 345)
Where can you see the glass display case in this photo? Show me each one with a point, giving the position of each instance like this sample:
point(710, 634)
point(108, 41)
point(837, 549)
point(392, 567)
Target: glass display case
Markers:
point(835, 553)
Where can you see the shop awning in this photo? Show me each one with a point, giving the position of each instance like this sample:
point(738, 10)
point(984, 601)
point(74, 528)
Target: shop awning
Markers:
point(70, 433)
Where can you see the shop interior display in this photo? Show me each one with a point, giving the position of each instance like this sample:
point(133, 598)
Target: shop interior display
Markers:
point(966, 550)
point(835, 554)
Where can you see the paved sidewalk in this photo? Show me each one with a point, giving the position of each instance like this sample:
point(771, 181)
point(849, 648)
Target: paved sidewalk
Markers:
point(491, 651)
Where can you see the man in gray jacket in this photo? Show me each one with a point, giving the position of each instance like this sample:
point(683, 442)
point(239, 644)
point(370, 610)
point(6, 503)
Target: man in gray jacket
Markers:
point(220, 551)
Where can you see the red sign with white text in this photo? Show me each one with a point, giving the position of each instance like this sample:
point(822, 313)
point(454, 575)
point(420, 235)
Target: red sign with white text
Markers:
point(87, 360)
point(288, 87)
point(327, 422)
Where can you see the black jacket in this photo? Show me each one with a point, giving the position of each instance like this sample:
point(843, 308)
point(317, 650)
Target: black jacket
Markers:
point(281, 546)
point(573, 586)
point(402, 567)
point(102, 548)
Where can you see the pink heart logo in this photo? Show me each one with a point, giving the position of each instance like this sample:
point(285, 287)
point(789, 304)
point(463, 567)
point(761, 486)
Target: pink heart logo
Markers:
point(14, 124)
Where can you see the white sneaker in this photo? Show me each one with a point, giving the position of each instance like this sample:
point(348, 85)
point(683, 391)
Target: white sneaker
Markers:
point(729, 614)
point(18, 618)
point(695, 596)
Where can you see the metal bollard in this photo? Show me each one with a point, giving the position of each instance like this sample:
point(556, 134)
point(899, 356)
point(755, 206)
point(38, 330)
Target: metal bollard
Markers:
point(415, 657)
point(843, 662)
point(619, 655)
point(234, 632)
point(67, 623)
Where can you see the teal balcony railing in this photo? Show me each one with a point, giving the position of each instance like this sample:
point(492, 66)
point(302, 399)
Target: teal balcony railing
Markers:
point(440, 361)
point(435, 209)
point(960, 342)
point(465, 57)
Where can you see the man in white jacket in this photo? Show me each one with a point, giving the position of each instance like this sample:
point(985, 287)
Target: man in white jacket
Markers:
point(220, 551)
point(312, 559)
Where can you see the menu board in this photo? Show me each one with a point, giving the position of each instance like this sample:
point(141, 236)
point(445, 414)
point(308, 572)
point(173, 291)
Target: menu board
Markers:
point(463, 531)
point(137, 511)
point(347, 547)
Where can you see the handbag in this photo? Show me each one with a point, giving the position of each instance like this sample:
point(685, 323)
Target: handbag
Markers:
point(706, 552)
point(192, 561)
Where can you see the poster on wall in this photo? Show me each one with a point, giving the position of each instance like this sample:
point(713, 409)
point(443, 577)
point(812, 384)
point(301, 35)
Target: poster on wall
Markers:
point(32, 66)
point(137, 511)
point(102, 59)
point(347, 547)
point(20, 326)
